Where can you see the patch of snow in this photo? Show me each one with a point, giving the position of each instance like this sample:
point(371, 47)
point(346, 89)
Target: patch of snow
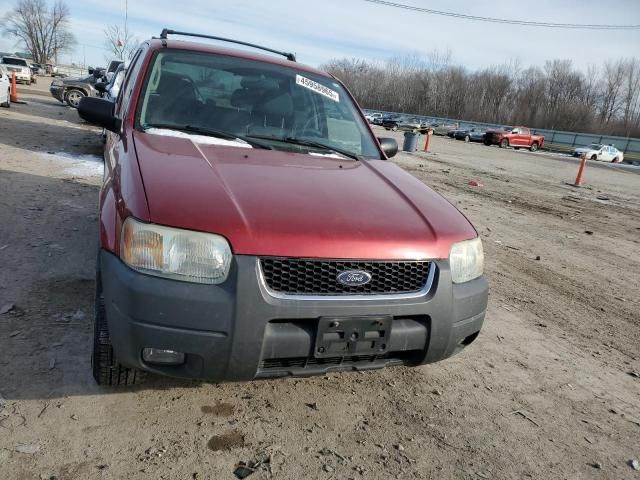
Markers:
point(77, 165)
point(328, 155)
point(200, 139)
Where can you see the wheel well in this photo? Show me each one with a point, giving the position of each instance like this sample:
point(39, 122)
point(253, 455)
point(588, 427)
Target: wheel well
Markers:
point(75, 88)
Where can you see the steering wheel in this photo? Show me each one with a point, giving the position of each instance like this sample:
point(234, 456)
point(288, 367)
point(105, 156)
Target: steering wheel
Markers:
point(306, 127)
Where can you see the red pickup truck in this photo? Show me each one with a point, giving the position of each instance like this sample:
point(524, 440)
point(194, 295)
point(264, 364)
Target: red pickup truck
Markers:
point(251, 226)
point(516, 137)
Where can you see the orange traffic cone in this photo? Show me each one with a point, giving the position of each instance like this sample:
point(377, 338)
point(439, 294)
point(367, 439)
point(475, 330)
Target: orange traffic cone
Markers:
point(14, 90)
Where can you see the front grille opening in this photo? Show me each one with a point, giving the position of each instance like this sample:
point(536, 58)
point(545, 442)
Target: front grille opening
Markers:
point(294, 276)
point(469, 340)
point(300, 364)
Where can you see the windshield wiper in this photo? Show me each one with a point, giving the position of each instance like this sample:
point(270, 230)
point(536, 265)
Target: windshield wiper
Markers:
point(208, 132)
point(309, 143)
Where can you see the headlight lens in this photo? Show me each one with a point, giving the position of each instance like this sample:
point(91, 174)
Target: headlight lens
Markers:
point(173, 253)
point(57, 83)
point(466, 260)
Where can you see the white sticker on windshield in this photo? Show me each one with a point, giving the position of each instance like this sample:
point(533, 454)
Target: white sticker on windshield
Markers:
point(318, 88)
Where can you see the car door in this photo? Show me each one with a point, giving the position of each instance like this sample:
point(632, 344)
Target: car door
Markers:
point(603, 154)
point(524, 136)
point(4, 84)
point(514, 139)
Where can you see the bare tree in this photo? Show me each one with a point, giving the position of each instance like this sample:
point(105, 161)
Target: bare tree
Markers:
point(631, 95)
point(119, 41)
point(41, 30)
point(557, 96)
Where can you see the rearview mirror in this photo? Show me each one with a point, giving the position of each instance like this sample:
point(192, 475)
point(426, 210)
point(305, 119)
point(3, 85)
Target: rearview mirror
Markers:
point(389, 146)
point(99, 111)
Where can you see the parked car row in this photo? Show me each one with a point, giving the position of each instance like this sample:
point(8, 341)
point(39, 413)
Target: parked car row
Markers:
point(505, 137)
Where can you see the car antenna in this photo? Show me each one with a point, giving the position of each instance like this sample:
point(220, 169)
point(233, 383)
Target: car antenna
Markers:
point(167, 31)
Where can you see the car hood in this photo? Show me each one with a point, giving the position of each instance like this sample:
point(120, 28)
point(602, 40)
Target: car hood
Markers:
point(585, 150)
point(75, 82)
point(274, 203)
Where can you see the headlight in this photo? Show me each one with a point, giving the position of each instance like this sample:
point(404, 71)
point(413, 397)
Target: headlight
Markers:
point(173, 253)
point(466, 260)
point(57, 83)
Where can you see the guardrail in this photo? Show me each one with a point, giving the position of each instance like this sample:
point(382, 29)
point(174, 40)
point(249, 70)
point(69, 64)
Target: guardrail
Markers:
point(554, 140)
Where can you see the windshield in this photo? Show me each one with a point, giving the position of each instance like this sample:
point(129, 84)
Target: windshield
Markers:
point(14, 61)
point(252, 99)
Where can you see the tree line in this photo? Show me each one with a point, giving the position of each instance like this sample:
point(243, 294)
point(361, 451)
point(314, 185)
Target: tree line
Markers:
point(601, 99)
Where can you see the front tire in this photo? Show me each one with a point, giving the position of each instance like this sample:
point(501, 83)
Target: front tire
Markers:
point(467, 138)
point(106, 369)
point(504, 143)
point(594, 157)
point(615, 160)
point(73, 97)
point(534, 147)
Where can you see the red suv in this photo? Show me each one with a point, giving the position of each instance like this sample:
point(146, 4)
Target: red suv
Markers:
point(251, 226)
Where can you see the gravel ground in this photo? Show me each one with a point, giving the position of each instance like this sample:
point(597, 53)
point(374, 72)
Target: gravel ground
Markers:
point(550, 389)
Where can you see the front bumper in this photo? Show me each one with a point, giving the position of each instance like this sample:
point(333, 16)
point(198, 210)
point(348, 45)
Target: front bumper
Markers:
point(57, 92)
point(239, 331)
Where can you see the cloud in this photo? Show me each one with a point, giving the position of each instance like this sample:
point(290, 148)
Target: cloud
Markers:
point(319, 31)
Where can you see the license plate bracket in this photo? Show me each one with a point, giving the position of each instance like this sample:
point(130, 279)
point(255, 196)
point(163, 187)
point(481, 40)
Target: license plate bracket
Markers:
point(346, 336)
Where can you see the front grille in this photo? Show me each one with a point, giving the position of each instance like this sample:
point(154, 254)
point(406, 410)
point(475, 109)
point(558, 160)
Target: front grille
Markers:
point(294, 276)
point(304, 362)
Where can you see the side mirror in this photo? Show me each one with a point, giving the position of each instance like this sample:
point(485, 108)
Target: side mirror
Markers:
point(389, 146)
point(99, 111)
point(101, 87)
point(97, 74)
point(91, 70)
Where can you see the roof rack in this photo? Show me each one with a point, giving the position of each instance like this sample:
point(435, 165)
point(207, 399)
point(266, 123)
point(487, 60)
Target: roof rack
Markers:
point(167, 31)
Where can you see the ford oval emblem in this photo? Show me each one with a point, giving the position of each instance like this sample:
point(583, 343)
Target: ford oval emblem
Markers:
point(354, 278)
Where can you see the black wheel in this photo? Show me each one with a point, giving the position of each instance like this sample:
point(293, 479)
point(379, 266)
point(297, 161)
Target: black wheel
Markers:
point(106, 369)
point(615, 160)
point(504, 143)
point(467, 138)
point(594, 157)
point(72, 97)
point(534, 146)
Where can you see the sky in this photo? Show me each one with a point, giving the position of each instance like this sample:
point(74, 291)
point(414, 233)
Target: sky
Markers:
point(322, 30)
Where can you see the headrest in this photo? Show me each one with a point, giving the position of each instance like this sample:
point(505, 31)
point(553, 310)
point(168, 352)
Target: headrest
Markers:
point(280, 105)
point(259, 83)
point(243, 98)
point(174, 82)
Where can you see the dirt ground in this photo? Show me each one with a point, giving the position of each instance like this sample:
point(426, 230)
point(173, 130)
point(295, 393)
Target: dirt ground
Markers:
point(550, 390)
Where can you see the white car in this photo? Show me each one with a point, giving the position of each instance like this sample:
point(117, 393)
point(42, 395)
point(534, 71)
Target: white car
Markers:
point(5, 87)
point(20, 67)
point(597, 151)
point(371, 117)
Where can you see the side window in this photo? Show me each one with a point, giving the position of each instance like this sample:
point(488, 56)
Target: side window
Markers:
point(515, 131)
point(130, 81)
point(525, 131)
